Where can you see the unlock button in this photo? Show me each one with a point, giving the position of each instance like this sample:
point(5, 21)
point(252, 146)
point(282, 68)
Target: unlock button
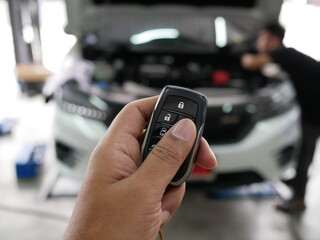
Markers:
point(167, 117)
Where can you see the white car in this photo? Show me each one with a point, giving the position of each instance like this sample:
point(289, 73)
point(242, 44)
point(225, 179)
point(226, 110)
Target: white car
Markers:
point(128, 51)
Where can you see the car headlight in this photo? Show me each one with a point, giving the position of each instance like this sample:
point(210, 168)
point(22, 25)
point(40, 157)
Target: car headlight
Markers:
point(274, 100)
point(72, 100)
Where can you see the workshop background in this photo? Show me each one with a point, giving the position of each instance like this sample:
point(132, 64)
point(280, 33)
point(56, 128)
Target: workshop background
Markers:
point(34, 208)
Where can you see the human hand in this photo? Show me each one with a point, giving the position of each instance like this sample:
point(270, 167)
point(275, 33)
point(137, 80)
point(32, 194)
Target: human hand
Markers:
point(247, 61)
point(254, 62)
point(119, 198)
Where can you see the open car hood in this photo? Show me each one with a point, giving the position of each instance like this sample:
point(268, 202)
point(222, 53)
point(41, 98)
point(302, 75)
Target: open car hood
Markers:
point(118, 18)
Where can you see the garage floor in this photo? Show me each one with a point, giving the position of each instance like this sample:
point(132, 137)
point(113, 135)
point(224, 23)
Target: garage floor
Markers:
point(25, 213)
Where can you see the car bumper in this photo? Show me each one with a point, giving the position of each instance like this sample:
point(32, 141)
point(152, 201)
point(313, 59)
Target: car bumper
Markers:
point(75, 138)
point(260, 151)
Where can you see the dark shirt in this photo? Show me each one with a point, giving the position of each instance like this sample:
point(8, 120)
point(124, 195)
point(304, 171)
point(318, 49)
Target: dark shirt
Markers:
point(304, 72)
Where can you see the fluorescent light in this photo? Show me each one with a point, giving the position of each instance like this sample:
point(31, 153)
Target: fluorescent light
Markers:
point(150, 35)
point(28, 34)
point(221, 31)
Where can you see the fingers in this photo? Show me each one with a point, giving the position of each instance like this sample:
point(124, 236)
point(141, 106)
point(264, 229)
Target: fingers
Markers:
point(165, 159)
point(171, 201)
point(205, 157)
point(173, 196)
point(124, 134)
point(132, 119)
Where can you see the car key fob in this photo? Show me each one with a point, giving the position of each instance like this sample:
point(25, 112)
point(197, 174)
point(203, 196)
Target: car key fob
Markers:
point(174, 104)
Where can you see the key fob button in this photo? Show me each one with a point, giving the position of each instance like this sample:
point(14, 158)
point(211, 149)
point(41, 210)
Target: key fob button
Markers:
point(183, 117)
point(182, 105)
point(167, 117)
point(160, 130)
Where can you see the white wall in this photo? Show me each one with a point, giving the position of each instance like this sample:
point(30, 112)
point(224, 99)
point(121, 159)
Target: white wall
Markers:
point(302, 23)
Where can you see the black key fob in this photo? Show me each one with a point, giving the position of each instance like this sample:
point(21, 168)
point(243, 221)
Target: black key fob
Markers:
point(174, 104)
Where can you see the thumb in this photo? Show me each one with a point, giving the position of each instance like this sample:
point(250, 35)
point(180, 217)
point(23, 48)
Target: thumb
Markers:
point(165, 159)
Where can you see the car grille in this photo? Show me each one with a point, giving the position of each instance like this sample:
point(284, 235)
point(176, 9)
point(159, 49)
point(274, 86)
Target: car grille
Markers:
point(222, 128)
point(285, 155)
point(66, 154)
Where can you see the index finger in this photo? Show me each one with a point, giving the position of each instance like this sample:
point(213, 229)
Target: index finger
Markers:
point(133, 118)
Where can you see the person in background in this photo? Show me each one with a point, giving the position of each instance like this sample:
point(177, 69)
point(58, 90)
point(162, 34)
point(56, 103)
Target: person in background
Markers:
point(121, 198)
point(304, 73)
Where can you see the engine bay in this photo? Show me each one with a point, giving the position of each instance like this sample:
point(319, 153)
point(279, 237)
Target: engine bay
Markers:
point(156, 68)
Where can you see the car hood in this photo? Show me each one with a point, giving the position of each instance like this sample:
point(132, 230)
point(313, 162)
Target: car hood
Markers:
point(119, 17)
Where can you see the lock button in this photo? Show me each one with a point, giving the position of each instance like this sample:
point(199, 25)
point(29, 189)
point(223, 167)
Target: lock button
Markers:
point(167, 117)
point(181, 105)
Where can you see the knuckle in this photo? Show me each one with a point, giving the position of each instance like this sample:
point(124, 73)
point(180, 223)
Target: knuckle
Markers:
point(166, 154)
point(131, 104)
